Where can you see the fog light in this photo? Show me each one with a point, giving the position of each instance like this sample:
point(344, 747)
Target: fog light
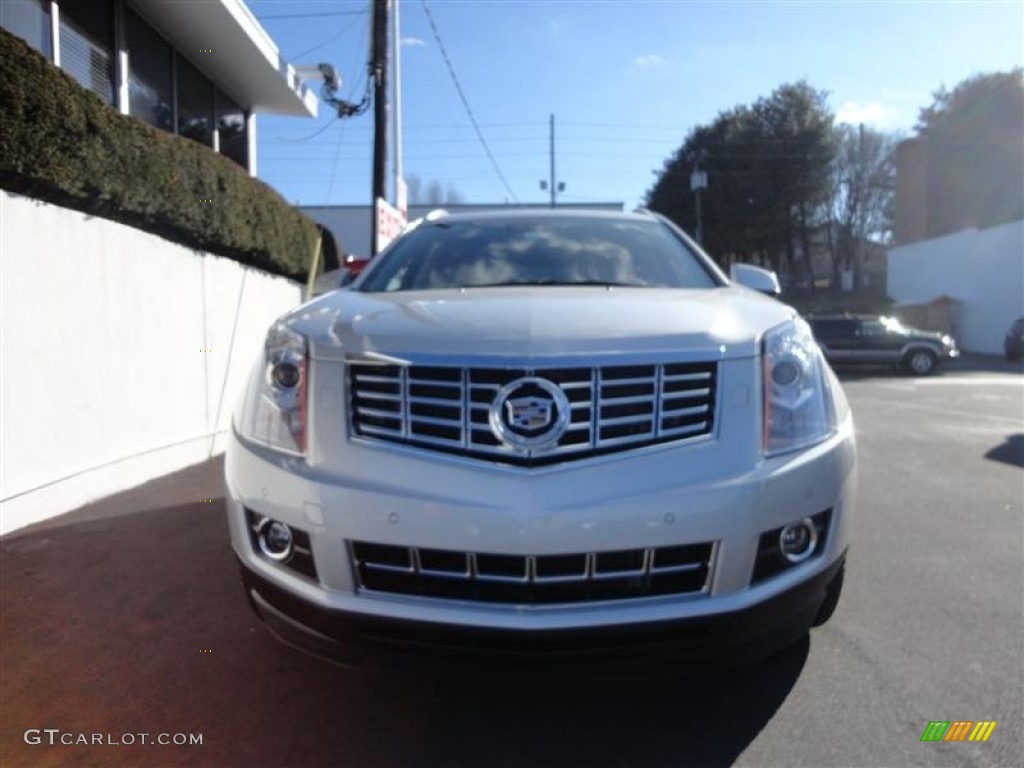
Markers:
point(275, 540)
point(797, 541)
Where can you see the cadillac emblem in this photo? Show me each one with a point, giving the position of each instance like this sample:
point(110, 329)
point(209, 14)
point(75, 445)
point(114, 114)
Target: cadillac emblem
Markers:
point(529, 414)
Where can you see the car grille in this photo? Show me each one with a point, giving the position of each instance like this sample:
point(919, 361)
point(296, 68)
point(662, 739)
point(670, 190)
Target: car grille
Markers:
point(533, 579)
point(612, 408)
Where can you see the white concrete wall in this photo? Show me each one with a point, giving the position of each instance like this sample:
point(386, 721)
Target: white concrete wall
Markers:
point(982, 269)
point(104, 383)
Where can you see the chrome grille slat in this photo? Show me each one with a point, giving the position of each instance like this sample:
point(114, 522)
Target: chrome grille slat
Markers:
point(687, 393)
point(612, 382)
point(364, 411)
point(627, 400)
point(404, 389)
point(612, 408)
point(677, 568)
point(419, 400)
point(371, 395)
point(685, 429)
point(609, 442)
point(389, 568)
point(691, 411)
point(533, 579)
point(674, 377)
point(376, 431)
point(640, 418)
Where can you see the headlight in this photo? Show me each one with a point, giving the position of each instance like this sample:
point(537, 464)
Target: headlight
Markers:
point(274, 411)
point(797, 403)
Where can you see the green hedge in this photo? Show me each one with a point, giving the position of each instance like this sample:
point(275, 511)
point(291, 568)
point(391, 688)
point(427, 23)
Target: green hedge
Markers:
point(61, 143)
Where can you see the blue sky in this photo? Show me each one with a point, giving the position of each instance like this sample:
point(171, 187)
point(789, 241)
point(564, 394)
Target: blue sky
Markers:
point(626, 79)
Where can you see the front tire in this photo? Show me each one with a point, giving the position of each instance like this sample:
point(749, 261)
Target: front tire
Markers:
point(921, 361)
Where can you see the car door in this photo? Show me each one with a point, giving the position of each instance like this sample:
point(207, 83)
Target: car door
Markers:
point(875, 343)
point(837, 338)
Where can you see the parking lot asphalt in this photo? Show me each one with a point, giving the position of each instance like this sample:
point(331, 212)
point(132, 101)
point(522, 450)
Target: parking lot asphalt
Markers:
point(127, 617)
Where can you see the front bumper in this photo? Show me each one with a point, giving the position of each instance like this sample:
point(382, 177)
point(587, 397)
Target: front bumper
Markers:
point(681, 645)
point(677, 495)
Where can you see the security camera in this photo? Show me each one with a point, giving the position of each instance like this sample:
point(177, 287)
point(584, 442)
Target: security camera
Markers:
point(322, 71)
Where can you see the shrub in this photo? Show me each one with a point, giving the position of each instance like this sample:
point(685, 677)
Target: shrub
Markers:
point(62, 144)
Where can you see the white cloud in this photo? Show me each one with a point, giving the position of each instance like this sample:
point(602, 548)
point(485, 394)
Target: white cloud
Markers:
point(648, 60)
point(872, 113)
point(413, 42)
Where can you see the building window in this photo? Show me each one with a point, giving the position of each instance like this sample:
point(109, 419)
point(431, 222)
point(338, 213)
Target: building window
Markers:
point(195, 104)
point(150, 81)
point(29, 20)
point(86, 44)
point(234, 139)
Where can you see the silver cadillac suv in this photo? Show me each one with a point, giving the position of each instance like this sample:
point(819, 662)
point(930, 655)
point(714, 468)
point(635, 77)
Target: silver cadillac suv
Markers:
point(551, 434)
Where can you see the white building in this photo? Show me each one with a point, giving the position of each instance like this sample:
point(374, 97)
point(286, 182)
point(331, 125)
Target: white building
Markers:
point(982, 271)
point(201, 68)
point(180, 327)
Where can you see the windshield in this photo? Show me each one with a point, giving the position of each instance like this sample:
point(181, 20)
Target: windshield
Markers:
point(543, 250)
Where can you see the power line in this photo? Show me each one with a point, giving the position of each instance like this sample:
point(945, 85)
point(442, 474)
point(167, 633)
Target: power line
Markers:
point(329, 40)
point(310, 15)
point(312, 135)
point(465, 101)
point(334, 163)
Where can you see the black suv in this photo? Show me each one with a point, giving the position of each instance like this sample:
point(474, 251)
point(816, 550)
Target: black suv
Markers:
point(881, 340)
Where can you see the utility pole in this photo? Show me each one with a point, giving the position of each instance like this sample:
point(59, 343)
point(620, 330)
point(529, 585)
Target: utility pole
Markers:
point(396, 107)
point(550, 183)
point(859, 233)
point(381, 9)
point(551, 179)
point(698, 181)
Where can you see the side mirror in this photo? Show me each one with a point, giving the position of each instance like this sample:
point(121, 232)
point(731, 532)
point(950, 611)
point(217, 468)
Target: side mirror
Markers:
point(339, 278)
point(763, 280)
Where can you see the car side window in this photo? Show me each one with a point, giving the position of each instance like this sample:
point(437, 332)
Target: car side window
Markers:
point(871, 328)
point(833, 329)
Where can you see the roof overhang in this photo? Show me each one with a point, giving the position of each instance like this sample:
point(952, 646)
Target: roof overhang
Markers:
point(244, 60)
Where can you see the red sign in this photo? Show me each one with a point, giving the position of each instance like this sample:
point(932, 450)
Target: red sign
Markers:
point(390, 223)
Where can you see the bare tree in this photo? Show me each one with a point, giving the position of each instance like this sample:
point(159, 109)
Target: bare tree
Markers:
point(860, 207)
point(435, 193)
point(452, 195)
point(432, 193)
point(414, 187)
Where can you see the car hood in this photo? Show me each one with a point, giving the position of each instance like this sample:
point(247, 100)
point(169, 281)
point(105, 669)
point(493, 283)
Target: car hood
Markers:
point(918, 334)
point(543, 322)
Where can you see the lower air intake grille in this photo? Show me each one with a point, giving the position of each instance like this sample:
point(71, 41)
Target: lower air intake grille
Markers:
point(533, 579)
